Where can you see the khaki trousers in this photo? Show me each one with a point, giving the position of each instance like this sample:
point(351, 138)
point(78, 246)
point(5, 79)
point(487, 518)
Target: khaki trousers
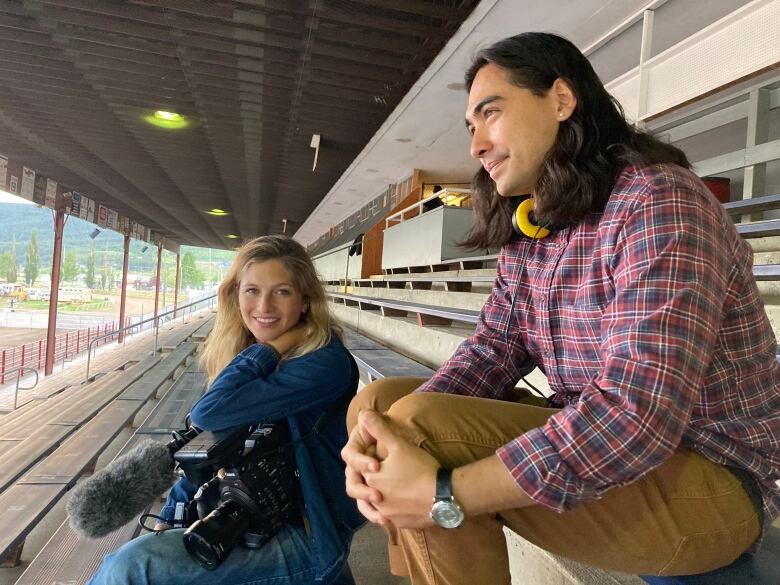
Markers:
point(687, 516)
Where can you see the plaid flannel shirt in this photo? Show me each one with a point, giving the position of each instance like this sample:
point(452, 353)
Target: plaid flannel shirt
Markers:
point(647, 322)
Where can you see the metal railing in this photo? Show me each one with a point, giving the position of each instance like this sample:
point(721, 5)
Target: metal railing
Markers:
point(445, 196)
point(20, 369)
point(156, 321)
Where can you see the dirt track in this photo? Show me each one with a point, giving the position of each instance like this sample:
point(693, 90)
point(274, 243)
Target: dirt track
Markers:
point(13, 336)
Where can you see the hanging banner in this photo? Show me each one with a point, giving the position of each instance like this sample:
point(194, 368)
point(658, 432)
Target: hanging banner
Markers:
point(102, 218)
point(83, 206)
point(90, 211)
point(51, 194)
point(124, 225)
point(39, 191)
point(13, 185)
point(28, 183)
point(3, 172)
point(75, 203)
point(113, 220)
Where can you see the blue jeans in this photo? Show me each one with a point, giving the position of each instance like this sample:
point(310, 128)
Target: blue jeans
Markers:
point(161, 559)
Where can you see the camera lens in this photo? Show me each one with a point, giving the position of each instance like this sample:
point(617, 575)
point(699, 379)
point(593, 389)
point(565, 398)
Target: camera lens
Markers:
point(210, 540)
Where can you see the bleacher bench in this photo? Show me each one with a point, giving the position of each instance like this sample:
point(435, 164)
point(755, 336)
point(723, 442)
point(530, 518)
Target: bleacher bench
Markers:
point(379, 361)
point(424, 314)
point(68, 559)
point(29, 499)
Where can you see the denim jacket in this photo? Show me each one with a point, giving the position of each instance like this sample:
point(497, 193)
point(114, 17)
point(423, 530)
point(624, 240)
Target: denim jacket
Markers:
point(255, 387)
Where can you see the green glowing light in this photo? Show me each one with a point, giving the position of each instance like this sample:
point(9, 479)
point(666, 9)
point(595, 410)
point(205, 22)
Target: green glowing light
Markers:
point(167, 120)
point(218, 212)
point(232, 236)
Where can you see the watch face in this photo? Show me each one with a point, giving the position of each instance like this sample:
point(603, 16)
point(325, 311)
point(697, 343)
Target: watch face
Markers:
point(447, 514)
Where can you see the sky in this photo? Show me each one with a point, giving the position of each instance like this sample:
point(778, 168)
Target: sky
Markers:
point(6, 197)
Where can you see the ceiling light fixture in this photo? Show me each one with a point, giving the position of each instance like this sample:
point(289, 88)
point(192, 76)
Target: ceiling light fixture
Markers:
point(218, 212)
point(167, 120)
point(231, 236)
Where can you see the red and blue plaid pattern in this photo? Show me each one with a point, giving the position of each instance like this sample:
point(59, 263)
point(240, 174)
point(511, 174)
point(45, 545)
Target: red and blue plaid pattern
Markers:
point(648, 324)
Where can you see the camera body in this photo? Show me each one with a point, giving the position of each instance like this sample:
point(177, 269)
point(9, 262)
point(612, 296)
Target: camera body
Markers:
point(248, 488)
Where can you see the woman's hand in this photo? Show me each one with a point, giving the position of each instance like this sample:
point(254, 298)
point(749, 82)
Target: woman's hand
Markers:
point(289, 339)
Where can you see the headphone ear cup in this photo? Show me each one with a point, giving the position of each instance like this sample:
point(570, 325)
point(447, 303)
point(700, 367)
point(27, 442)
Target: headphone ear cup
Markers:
point(521, 221)
point(515, 224)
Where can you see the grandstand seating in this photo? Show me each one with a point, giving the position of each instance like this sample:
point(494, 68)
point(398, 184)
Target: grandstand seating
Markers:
point(65, 434)
point(57, 561)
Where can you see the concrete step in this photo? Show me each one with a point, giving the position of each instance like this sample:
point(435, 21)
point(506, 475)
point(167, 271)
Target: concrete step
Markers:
point(431, 345)
point(471, 301)
point(531, 565)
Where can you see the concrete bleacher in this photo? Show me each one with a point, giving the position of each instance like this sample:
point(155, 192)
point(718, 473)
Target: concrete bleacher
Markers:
point(57, 563)
point(55, 442)
point(393, 312)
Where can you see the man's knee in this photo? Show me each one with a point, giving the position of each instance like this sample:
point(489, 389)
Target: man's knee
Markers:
point(380, 395)
point(419, 410)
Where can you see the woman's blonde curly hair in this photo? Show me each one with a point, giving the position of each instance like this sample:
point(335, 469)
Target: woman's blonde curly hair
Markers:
point(230, 336)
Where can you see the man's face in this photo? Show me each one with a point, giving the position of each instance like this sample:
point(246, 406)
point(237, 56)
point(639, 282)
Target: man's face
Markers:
point(512, 130)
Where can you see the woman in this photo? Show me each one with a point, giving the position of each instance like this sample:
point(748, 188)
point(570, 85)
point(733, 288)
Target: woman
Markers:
point(659, 449)
point(274, 354)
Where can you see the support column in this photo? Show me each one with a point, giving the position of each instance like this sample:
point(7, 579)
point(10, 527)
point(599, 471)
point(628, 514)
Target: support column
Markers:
point(754, 185)
point(178, 280)
point(645, 52)
point(123, 293)
point(157, 283)
point(56, 262)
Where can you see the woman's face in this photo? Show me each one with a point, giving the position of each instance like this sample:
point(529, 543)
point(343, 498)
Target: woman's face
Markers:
point(269, 302)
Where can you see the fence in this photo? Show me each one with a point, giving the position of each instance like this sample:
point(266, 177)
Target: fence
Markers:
point(72, 343)
point(66, 346)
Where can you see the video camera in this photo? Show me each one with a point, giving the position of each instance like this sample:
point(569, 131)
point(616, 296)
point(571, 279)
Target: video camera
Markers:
point(248, 487)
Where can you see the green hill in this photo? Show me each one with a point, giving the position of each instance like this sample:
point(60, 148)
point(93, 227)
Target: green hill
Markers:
point(19, 220)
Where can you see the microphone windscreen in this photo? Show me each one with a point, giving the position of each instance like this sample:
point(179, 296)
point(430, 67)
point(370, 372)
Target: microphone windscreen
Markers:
point(122, 490)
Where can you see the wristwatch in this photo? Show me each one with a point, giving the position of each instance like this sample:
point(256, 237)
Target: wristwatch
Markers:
point(446, 511)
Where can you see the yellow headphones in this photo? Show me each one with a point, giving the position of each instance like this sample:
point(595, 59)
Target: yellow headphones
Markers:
point(521, 221)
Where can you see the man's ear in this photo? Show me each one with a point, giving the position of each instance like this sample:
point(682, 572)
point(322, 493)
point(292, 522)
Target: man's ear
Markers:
point(565, 98)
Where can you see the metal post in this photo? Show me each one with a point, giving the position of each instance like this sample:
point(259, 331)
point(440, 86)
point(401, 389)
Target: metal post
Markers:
point(157, 284)
point(178, 282)
point(645, 52)
point(754, 184)
point(56, 261)
point(123, 293)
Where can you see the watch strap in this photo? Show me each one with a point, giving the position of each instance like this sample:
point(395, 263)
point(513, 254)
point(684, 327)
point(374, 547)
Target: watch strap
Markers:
point(443, 484)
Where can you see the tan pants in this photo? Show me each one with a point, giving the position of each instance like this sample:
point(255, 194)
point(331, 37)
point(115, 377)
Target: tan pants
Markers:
point(687, 516)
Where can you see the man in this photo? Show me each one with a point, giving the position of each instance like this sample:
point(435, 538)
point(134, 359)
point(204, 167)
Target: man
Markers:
point(658, 451)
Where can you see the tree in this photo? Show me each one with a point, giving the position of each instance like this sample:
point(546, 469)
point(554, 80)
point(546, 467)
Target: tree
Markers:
point(11, 275)
point(70, 268)
point(5, 263)
point(191, 277)
point(31, 260)
point(105, 274)
point(90, 274)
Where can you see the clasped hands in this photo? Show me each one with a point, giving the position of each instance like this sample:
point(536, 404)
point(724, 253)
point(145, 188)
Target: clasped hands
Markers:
point(392, 479)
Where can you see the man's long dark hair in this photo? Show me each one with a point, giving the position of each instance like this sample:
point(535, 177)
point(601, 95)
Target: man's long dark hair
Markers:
point(592, 146)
